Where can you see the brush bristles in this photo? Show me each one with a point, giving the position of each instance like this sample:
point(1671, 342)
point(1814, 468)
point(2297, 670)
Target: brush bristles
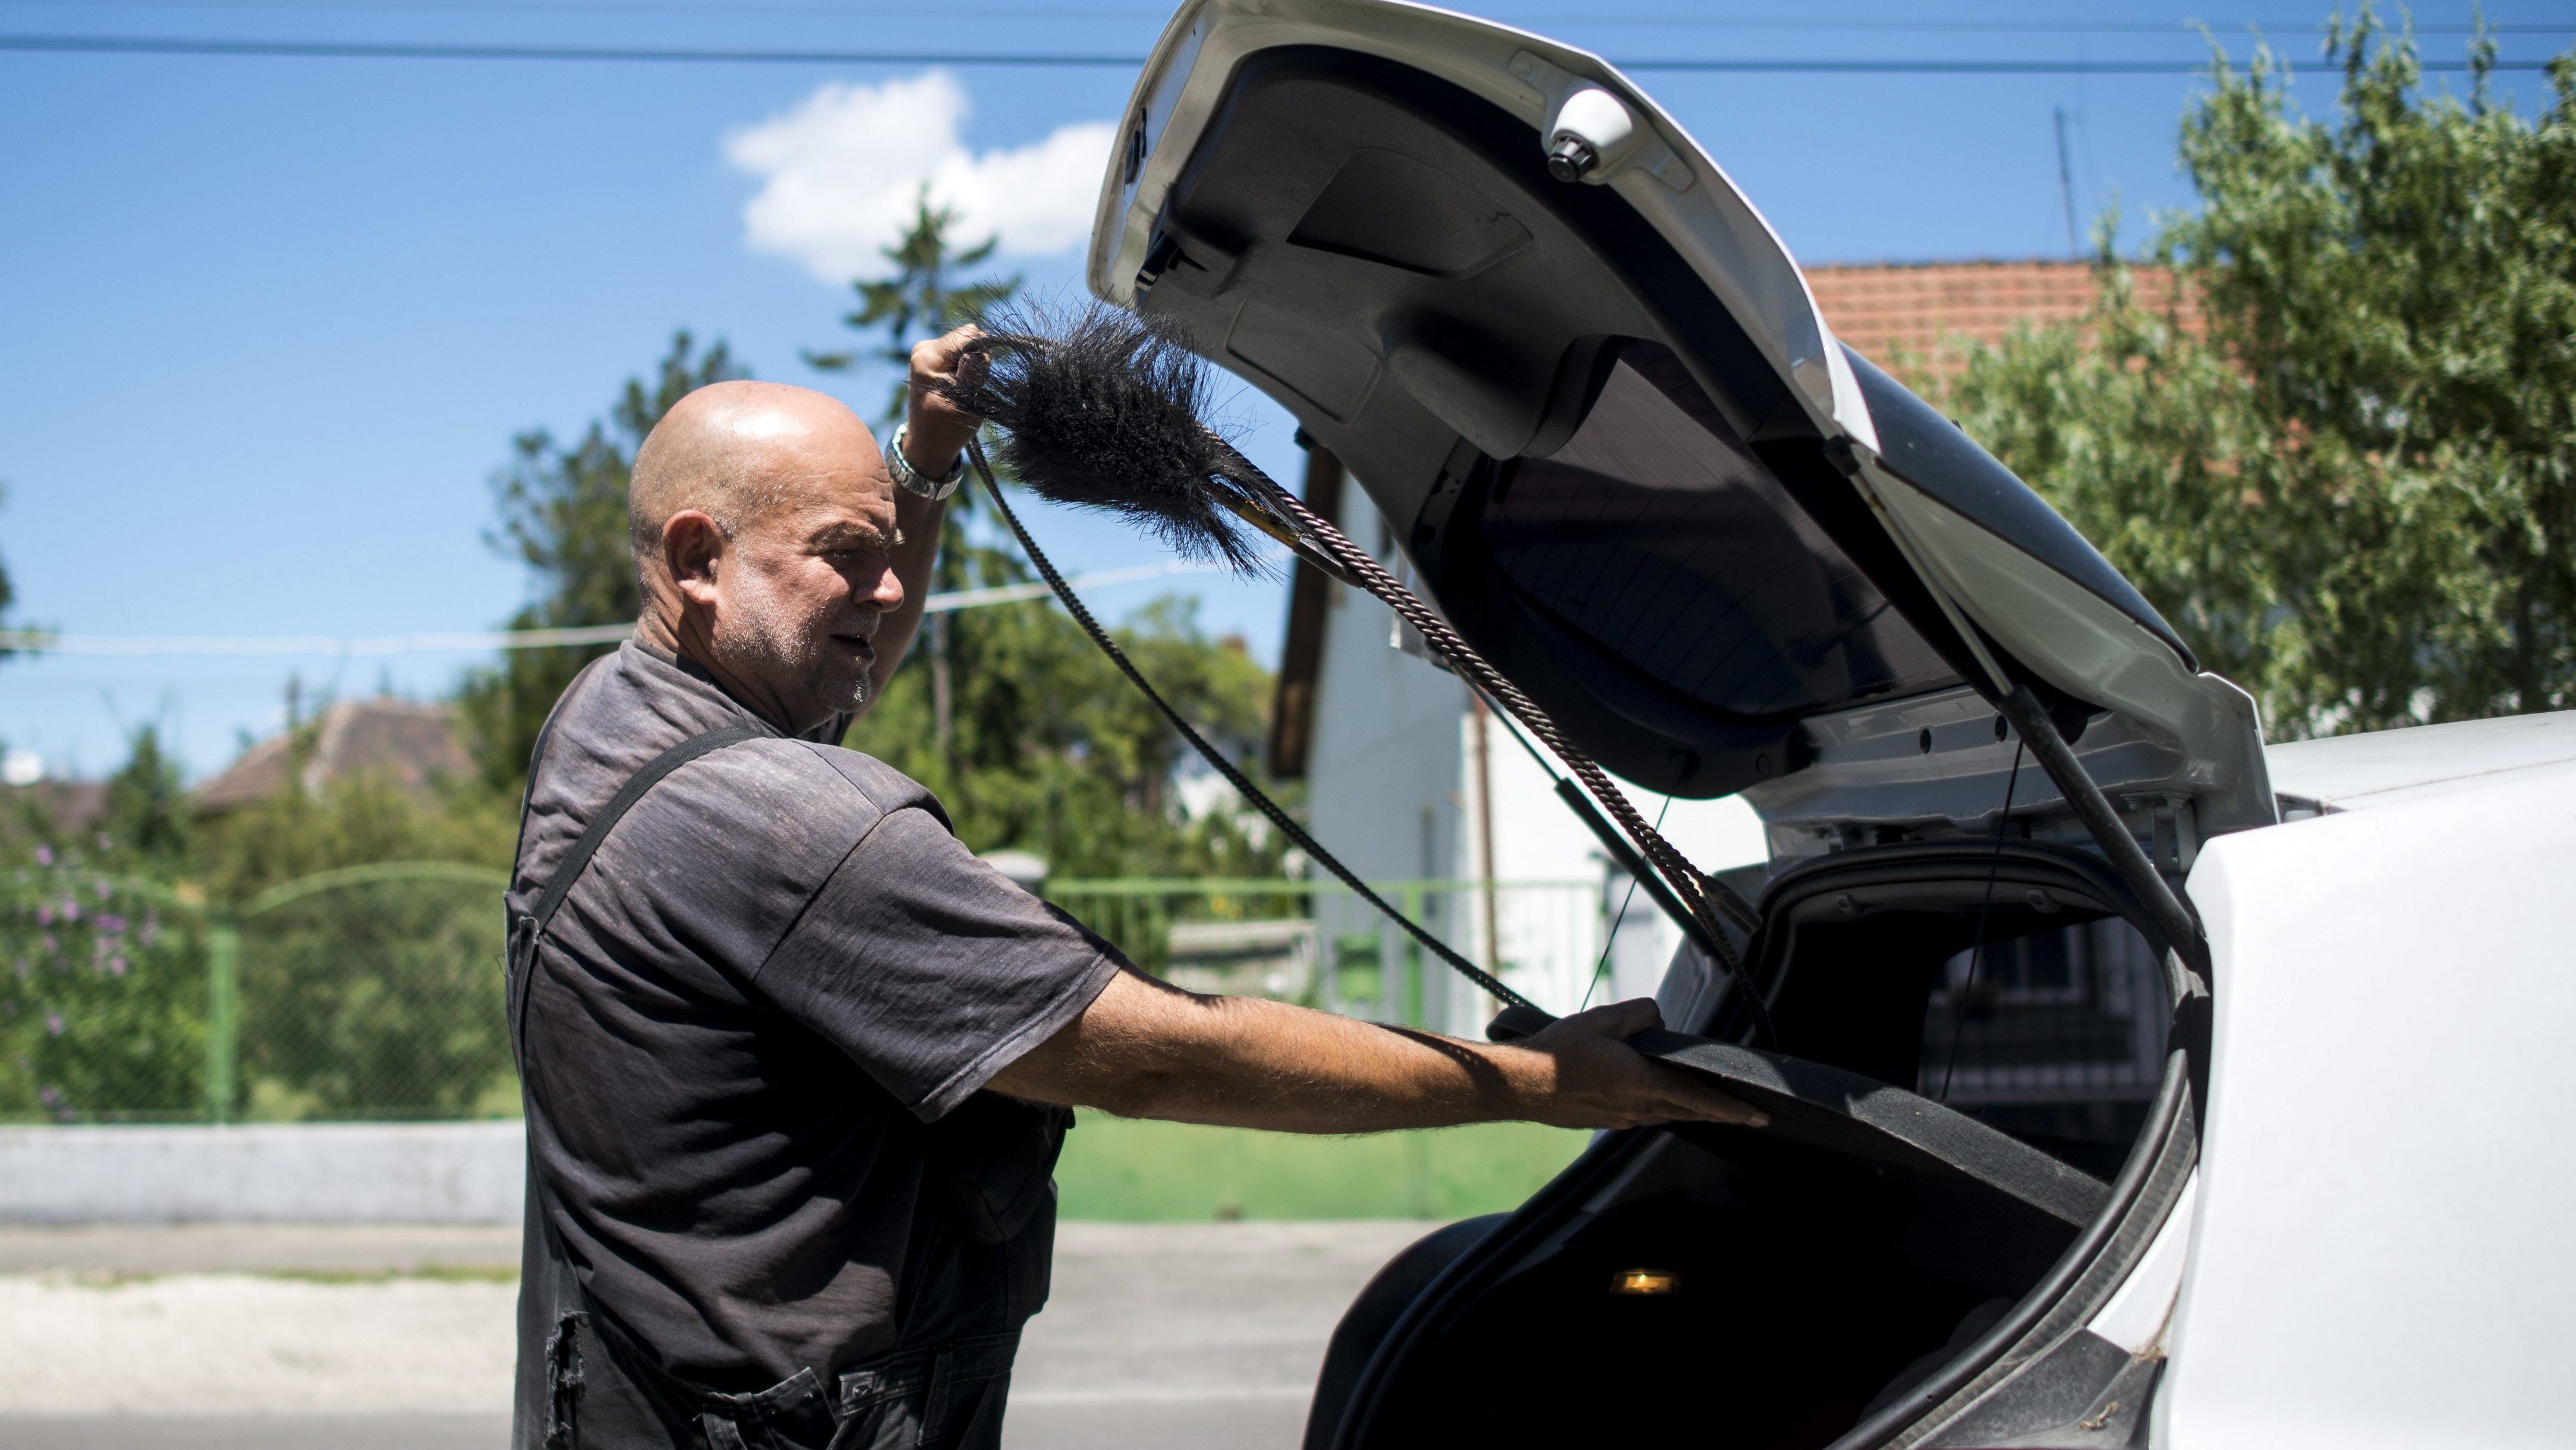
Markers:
point(1104, 409)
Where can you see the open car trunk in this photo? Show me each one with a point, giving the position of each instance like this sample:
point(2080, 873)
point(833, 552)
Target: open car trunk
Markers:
point(1619, 449)
point(1874, 1264)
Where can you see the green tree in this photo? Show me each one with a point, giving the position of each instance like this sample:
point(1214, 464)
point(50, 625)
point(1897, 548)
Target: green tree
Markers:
point(354, 821)
point(2340, 459)
point(563, 514)
point(1056, 753)
point(148, 825)
point(8, 594)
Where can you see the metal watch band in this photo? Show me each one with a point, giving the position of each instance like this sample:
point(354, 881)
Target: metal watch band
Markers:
point(910, 479)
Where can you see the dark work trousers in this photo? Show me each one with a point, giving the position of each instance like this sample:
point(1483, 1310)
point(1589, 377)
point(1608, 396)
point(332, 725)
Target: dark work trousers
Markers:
point(982, 1244)
point(583, 1384)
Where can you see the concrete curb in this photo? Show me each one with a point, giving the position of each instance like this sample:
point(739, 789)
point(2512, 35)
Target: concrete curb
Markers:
point(266, 1173)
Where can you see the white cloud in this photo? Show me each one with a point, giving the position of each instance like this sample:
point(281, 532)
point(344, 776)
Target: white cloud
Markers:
point(839, 173)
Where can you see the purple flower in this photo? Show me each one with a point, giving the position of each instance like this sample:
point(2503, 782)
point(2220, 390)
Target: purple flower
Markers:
point(51, 946)
point(54, 1023)
point(50, 1096)
point(44, 916)
point(111, 925)
point(44, 855)
point(116, 966)
point(103, 888)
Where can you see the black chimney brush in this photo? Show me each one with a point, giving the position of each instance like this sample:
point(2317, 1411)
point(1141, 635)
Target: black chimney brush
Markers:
point(1104, 409)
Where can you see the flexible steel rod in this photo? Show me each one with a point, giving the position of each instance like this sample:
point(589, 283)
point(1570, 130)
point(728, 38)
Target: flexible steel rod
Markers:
point(1242, 783)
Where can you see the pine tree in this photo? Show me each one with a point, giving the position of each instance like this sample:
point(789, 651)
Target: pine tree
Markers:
point(919, 302)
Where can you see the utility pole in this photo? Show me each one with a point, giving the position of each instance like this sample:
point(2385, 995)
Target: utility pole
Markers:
point(1479, 744)
point(943, 709)
point(2066, 189)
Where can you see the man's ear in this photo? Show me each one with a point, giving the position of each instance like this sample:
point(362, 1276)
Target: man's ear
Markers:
point(692, 545)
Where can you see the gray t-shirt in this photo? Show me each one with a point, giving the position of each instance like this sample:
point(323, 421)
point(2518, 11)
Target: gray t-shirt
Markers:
point(779, 967)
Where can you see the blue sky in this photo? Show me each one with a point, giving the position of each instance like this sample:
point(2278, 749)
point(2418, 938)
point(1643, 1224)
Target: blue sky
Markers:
point(272, 322)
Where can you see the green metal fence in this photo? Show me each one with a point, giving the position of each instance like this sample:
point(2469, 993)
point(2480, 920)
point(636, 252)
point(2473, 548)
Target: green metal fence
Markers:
point(1316, 943)
point(375, 992)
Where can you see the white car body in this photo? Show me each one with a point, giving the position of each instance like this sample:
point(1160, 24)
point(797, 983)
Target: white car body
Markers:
point(2379, 1250)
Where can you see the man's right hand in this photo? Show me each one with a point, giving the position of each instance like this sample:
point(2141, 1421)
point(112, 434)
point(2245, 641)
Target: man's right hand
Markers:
point(1580, 1073)
point(1145, 1049)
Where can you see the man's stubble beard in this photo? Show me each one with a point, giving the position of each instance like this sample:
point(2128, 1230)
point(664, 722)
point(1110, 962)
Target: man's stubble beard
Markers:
point(767, 634)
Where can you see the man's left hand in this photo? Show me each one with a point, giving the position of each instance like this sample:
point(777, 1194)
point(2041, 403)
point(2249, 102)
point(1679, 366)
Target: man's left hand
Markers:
point(935, 428)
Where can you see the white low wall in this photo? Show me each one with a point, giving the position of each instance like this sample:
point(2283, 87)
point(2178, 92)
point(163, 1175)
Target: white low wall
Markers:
point(275, 1173)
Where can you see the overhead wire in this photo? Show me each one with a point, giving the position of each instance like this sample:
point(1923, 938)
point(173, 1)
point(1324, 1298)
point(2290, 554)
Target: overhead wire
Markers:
point(47, 642)
point(1897, 24)
point(1038, 59)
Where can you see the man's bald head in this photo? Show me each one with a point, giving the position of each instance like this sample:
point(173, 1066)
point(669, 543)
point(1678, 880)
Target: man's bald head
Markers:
point(765, 527)
point(737, 451)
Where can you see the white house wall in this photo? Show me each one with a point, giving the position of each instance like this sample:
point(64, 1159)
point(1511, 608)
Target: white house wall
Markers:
point(1383, 768)
point(1536, 839)
point(1391, 790)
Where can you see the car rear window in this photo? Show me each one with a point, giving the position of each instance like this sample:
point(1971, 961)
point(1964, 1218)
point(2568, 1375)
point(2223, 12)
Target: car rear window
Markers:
point(1657, 534)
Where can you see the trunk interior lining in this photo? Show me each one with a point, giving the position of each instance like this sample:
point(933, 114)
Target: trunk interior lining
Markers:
point(1820, 1278)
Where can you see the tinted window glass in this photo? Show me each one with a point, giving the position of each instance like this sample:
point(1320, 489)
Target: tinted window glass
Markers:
point(1656, 533)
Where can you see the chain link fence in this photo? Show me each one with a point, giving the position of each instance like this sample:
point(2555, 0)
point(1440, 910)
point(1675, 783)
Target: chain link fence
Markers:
point(371, 992)
point(1317, 944)
point(375, 992)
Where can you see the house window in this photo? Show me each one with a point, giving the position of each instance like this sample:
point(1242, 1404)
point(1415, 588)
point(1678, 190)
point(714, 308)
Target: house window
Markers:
point(2057, 1037)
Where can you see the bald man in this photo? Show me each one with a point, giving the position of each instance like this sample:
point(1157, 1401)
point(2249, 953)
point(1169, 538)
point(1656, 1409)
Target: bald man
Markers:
point(796, 1064)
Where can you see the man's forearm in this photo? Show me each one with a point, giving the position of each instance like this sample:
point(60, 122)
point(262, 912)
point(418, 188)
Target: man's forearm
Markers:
point(1143, 1049)
point(935, 434)
point(917, 520)
point(1248, 1063)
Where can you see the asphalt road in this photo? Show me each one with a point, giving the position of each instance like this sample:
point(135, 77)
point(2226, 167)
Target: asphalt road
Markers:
point(1196, 1335)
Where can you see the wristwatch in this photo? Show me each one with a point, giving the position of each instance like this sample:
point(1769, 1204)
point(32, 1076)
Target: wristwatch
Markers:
point(909, 478)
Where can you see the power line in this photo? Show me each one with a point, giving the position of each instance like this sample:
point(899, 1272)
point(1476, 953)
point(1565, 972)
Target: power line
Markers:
point(1076, 13)
point(136, 645)
point(695, 55)
point(408, 50)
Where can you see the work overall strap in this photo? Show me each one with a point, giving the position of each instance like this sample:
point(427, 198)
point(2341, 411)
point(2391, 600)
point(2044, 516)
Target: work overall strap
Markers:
point(548, 1271)
point(525, 930)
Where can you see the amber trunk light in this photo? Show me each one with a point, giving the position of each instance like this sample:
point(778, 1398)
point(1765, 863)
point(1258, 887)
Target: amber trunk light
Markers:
point(1645, 1281)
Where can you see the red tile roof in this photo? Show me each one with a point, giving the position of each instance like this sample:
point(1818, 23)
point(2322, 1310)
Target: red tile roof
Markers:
point(1920, 319)
point(409, 746)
